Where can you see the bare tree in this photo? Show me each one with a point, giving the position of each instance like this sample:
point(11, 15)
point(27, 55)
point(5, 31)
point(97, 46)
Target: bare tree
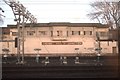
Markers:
point(105, 12)
point(1, 19)
point(109, 13)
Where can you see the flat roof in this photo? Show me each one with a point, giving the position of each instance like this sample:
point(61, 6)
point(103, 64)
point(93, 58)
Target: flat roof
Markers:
point(98, 25)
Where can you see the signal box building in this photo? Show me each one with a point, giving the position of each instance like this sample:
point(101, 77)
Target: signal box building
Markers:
point(61, 39)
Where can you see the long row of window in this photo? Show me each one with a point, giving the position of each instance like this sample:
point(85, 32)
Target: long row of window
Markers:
point(59, 33)
point(80, 32)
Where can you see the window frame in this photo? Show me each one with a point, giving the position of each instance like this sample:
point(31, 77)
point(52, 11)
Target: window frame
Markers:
point(30, 33)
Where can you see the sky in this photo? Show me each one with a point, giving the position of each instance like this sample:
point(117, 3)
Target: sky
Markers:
point(46, 11)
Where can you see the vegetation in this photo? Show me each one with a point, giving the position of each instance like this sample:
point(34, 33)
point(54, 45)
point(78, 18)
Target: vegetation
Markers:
point(105, 12)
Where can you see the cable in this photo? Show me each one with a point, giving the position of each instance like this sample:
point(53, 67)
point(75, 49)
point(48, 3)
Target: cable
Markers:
point(44, 45)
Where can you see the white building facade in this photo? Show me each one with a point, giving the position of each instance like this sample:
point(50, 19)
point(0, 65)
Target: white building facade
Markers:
point(62, 38)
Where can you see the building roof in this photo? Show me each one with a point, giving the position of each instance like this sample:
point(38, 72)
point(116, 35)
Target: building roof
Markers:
point(98, 25)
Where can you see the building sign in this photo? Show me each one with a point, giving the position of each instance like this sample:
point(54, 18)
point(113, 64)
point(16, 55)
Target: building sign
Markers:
point(61, 43)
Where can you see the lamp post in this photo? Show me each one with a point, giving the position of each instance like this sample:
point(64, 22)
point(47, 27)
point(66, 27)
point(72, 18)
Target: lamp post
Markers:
point(47, 60)
point(98, 41)
point(77, 56)
point(37, 54)
point(77, 51)
point(98, 49)
point(64, 60)
point(6, 51)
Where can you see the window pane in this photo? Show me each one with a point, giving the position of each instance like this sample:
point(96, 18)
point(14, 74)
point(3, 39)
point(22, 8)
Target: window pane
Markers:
point(51, 33)
point(42, 33)
point(30, 33)
point(59, 33)
point(72, 32)
point(79, 32)
point(75, 32)
point(67, 33)
point(87, 32)
point(14, 33)
point(90, 32)
point(84, 32)
point(103, 34)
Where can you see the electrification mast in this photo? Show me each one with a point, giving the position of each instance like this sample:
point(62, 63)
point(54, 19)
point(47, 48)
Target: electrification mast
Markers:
point(21, 17)
point(118, 26)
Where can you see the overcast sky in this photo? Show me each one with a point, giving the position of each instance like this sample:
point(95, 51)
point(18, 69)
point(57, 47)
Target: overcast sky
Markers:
point(46, 11)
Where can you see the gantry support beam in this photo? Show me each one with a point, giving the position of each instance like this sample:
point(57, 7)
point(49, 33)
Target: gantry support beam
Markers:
point(21, 17)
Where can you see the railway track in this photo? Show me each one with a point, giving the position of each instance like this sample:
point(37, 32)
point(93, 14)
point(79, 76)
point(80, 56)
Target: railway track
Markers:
point(88, 68)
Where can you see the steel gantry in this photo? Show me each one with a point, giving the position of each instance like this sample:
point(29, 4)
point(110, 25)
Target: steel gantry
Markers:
point(22, 16)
